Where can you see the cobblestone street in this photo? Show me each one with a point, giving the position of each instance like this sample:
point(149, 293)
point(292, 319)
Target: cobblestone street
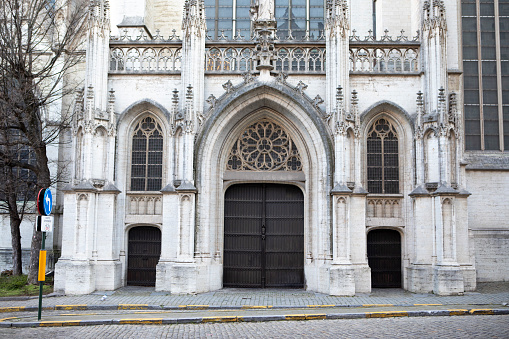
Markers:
point(436, 327)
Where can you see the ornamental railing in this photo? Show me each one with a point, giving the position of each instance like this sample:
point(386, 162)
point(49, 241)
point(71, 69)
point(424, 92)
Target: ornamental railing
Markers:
point(384, 58)
point(143, 55)
point(289, 59)
point(145, 59)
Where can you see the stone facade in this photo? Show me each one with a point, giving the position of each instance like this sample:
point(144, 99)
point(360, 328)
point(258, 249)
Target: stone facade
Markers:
point(328, 93)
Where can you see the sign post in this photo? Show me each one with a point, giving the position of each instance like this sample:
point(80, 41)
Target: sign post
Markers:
point(44, 224)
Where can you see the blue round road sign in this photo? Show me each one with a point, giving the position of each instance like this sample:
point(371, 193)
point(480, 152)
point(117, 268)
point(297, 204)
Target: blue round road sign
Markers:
point(44, 201)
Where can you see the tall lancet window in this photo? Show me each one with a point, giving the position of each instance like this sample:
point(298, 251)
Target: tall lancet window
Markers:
point(230, 18)
point(299, 17)
point(383, 164)
point(147, 156)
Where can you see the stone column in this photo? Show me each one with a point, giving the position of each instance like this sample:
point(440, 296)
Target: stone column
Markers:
point(448, 278)
point(93, 263)
point(342, 275)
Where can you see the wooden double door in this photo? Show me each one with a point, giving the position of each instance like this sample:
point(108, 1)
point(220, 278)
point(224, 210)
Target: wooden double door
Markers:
point(263, 236)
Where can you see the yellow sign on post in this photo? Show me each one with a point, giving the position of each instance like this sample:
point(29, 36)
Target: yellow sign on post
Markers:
point(42, 265)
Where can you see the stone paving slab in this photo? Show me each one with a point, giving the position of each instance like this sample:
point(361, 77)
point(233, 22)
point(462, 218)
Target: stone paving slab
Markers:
point(487, 294)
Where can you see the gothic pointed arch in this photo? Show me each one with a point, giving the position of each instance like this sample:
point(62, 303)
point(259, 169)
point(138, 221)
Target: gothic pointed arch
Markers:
point(387, 157)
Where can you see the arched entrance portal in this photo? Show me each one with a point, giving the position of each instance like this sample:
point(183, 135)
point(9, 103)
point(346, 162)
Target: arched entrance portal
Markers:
point(263, 236)
point(144, 251)
point(384, 258)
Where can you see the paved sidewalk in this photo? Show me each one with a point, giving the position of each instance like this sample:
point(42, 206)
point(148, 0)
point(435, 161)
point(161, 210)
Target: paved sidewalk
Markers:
point(487, 294)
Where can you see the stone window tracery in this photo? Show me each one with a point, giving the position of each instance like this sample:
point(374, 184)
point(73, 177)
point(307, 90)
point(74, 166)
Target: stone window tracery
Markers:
point(147, 156)
point(264, 146)
point(382, 162)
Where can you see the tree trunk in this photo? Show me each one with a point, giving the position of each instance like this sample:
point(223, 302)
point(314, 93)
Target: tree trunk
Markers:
point(43, 181)
point(17, 264)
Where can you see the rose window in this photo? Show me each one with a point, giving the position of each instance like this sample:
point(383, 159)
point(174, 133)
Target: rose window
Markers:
point(264, 146)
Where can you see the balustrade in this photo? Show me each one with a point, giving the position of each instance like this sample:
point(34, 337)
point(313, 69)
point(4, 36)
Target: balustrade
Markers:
point(139, 59)
point(370, 56)
point(384, 59)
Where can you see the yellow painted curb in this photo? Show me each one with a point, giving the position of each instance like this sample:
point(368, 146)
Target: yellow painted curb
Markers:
point(132, 306)
point(225, 319)
point(4, 319)
point(315, 316)
point(59, 323)
point(458, 312)
point(70, 307)
point(377, 305)
point(255, 307)
point(12, 309)
point(295, 317)
point(195, 307)
point(320, 306)
point(388, 314)
point(155, 321)
point(484, 311)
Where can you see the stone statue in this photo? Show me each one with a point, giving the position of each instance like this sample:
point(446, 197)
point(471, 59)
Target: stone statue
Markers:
point(263, 10)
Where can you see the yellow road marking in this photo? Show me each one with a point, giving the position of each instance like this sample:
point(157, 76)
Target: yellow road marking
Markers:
point(481, 311)
point(458, 312)
point(12, 309)
point(315, 316)
point(70, 307)
point(295, 317)
point(59, 323)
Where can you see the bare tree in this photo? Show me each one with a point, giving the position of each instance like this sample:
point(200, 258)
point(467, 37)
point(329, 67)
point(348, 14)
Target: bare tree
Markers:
point(40, 46)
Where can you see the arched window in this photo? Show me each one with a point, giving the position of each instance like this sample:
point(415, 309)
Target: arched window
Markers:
point(382, 149)
point(147, 156)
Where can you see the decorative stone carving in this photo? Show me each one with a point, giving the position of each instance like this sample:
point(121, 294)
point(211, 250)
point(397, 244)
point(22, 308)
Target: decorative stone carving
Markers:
point(212, 101)
point(301, 87)
point(264, 146)
point(228, 86)
point(248, 77)
point(317, 101)
point(281, 77)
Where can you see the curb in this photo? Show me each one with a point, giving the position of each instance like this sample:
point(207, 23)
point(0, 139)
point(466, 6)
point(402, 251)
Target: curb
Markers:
point(260, 318)
point(30, 297)
point(85, 307)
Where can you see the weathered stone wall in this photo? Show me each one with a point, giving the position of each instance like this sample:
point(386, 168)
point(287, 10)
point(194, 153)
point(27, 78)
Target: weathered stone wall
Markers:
point(491, 257)
point(488, 217)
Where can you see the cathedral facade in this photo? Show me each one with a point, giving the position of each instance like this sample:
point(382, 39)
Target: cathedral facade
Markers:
point(330, 145)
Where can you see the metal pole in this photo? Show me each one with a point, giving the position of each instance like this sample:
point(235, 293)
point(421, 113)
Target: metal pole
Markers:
point(43, 247)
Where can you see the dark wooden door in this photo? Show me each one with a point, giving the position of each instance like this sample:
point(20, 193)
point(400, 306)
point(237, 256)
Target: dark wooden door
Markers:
point(263, 236)
point(144, 251)
point(384, 258)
